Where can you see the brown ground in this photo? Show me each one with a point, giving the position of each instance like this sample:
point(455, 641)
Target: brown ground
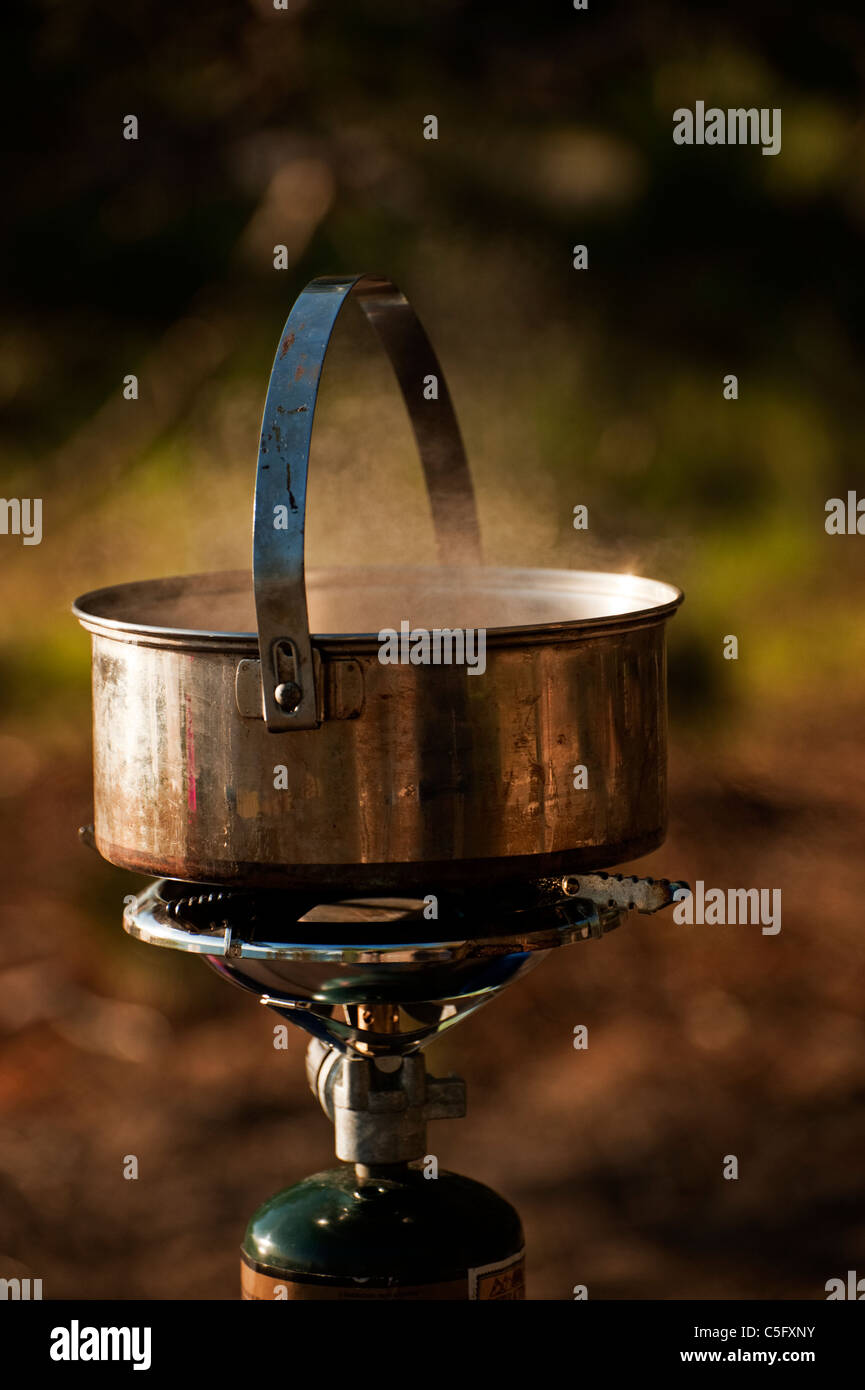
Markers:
point(703, 1042)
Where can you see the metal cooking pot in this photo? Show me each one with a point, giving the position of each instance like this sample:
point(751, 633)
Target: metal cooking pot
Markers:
point(394, 775)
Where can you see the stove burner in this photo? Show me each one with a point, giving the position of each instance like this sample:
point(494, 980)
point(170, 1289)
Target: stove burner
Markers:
point(304, 916)
point(311, 917)
point(397, 977)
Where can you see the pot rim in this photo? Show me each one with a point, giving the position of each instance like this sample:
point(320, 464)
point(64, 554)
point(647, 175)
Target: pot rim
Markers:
point(95, 610)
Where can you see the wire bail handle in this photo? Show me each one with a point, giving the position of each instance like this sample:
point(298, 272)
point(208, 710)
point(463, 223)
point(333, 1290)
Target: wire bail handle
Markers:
point(279, 582)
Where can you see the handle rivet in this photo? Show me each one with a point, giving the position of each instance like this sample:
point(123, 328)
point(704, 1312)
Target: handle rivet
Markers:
point(287, 695)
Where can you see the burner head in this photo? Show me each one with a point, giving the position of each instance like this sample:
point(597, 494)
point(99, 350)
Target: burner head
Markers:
point(370, 975)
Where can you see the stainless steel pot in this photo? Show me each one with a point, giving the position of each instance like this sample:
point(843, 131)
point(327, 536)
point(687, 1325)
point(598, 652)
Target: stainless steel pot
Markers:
point(393, 775)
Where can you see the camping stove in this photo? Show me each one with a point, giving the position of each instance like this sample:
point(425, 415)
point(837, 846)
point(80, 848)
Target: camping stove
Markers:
point(373, 980)
point(261, 750)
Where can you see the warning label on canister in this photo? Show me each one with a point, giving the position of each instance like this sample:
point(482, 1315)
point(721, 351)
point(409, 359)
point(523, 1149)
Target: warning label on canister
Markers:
point(505, 1279)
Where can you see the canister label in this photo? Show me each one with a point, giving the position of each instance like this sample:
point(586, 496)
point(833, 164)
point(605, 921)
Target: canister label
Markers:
point(504, 1279)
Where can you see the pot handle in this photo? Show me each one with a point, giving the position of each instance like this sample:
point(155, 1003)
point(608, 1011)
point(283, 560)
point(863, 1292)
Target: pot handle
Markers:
point(287, 671)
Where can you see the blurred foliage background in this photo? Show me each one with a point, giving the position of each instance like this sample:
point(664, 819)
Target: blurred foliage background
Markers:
point(304, 127)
